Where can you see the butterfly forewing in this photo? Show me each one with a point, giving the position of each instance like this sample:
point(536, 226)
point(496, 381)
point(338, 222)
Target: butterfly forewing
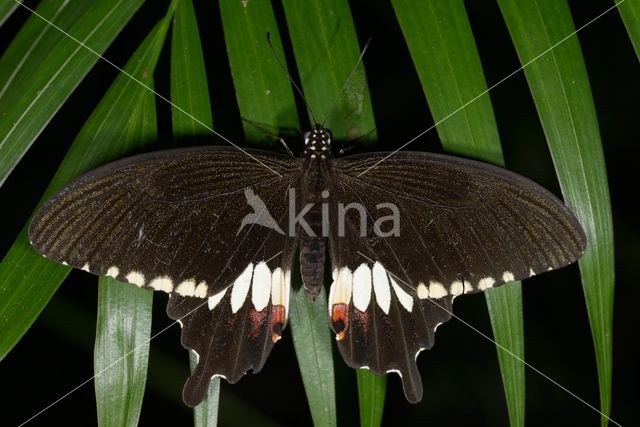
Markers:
point(170, 220)
point(464, 227)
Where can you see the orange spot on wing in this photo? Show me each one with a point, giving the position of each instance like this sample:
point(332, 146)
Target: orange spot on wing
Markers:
point(277, 322)
point(340, 319)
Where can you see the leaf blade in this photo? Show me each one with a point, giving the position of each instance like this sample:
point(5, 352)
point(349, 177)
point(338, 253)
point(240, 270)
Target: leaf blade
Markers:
point(206, 413)
point(371, 391)
point(325, 58)
point(265, 97)
point(449, 82)
point(630, 13)
point(189, 86)
point(121, 352)
point(263, 91)
point(34, 86)
point(312, 340)
point(7, 7)
point(570, 124)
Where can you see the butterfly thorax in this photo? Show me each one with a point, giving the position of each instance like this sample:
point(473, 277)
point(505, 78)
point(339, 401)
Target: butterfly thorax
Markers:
point(317, 152)
point(317, 144)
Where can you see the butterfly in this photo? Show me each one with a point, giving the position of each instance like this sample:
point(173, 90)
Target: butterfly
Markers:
point(217, 229)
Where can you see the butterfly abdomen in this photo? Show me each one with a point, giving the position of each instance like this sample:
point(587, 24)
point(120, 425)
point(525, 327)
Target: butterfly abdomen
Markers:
point(312, 252)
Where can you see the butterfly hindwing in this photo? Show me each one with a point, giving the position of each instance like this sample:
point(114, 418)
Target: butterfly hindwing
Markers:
point(462, 227)
point(233, 331)
point(382, 325)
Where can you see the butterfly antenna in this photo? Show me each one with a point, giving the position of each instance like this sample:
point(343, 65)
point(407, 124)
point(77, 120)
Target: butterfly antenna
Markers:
point(346, 83)
point(284, 69)
point(354, 143)
point(268, 133)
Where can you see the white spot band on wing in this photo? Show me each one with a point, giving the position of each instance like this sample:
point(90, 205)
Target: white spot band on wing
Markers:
point(201, 290)
point(136, 278)
point(343, 287)
point(113, 272)
point(362, 287)
point(381, 287)
point(486, 283)
point(214, 300)
point(405, 299)
point(437, 290)
point(423, 291)
point(261, 286)
point(187, 288)
point(507, 276)
point(240, 288)
point(162, 283)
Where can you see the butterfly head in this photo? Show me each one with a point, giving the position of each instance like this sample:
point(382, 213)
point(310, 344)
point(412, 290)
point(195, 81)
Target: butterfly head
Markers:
point(317, 143)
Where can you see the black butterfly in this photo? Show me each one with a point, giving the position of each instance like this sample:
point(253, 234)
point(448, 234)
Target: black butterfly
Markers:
point(217, 229)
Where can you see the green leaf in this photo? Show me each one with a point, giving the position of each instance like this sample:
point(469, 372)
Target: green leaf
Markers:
point(325, 55)
point(559, 84)
point(312, 340)
point(444, 53)
point(371, 391)
point(189, 87)
point(125, 311)
point(630, 13)
point(262, 88)
point(325, 58)
point(206, 413)
point(190, 92)
point(27, 280)
point(7, 7)
point(42, 66)
point(505, 310)
point(121, 352)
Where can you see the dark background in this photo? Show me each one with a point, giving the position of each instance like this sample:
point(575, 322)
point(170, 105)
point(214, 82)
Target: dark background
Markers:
point(461, 375)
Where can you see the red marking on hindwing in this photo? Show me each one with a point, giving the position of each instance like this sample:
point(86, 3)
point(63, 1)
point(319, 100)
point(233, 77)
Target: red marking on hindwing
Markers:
point(361, 320)
point(340, 319)
point(277, 322)
point(257, 321)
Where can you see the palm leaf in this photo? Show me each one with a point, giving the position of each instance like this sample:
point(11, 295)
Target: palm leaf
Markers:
point(262, 89)
point(630, 12)
point(443, 50)
point(43, 65)
point(190, 93)
point(555, 66)
point(6, 9)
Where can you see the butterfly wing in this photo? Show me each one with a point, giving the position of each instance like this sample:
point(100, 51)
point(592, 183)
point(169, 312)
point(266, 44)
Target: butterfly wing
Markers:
point(228, 335)
point(205, 224)
point(463, 227)
point(169, 220)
